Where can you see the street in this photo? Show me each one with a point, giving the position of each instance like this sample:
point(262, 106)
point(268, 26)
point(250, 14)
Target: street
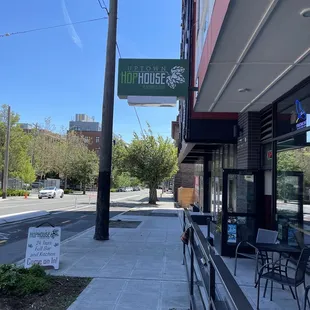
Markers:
point(73, 213)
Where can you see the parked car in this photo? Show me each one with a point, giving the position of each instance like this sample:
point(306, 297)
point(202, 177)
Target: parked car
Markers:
point(121, 189)
point(136, 189)
point(51, 192)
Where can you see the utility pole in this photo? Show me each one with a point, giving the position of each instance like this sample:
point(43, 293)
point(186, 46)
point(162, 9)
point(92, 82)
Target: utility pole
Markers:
point(6, 155)
point(105, 157)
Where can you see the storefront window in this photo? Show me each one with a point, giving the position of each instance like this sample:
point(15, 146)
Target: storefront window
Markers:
point(293, 113)
point(223, 158)
point(293, 188)
point(199, 184)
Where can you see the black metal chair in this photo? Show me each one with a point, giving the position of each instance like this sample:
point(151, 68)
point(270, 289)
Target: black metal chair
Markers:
point(263, 236)
point(275, 273)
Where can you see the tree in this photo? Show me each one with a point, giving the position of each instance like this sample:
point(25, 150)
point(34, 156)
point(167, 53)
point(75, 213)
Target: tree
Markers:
point(152, 160)
point(120, 177)
point(19, 143)
point(44, 148)
point(85, 166)
point(121, 180)
point(66, 157)
point(27, 173)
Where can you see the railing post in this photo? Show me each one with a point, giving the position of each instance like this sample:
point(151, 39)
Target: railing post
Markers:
point(211, 286)
point(184, 224)
point(192, 260)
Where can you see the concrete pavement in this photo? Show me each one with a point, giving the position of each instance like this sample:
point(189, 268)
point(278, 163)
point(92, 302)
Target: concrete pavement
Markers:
point(137, 269)
point(73, 220)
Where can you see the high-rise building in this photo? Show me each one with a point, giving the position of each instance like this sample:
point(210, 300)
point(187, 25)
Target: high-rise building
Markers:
point(83, 122)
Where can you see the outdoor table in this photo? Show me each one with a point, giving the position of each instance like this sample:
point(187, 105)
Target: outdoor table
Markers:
point(264, 248)
point(275, 248)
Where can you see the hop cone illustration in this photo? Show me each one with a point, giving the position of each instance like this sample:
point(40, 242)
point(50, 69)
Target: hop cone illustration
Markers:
point(170, 82)
point(176, 77)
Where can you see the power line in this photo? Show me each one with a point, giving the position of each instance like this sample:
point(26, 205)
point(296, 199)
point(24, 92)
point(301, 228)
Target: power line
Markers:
point(103, 6)
point(51, 27)
point(118, 50)
point(142, 132)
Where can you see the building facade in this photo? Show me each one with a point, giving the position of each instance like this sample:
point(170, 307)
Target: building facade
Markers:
point(244, 125)
point(83, 122)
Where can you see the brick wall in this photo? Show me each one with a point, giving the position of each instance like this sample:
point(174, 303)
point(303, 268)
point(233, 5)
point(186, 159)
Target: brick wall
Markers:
point(248, 147)
point(184, 178)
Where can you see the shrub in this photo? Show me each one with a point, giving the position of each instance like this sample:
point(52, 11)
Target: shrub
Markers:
point(113, 190)
point(68, 191)
point(19, 281)
point(16, 192)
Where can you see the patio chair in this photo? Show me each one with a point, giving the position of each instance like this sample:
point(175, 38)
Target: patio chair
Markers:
point(275, 274)
point(263, 236)
point(299, 236)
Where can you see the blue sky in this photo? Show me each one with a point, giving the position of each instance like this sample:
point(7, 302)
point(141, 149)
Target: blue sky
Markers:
point(58, 73)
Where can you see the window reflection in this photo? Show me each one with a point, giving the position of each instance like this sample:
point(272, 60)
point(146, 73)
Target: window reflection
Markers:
point(293, 188)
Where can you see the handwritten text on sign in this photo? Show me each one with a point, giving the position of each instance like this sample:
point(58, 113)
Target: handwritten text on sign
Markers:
point(43, 246)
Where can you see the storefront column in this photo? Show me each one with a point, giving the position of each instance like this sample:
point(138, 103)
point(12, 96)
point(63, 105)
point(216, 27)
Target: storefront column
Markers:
point(248, 147)
point(206, 184)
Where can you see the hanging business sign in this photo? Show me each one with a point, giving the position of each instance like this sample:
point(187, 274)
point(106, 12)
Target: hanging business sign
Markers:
point(43, 246)
point(153, 77)
point(302, 119)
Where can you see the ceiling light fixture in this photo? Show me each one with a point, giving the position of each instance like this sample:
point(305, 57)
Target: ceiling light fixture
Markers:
point(243, 90)
point(305, 12)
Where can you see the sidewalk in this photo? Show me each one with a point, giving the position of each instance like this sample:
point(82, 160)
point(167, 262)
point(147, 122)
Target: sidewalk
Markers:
point(137, 269)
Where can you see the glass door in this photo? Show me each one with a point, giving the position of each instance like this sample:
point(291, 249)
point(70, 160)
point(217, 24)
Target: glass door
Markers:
point(289, 212)
point(240, 200)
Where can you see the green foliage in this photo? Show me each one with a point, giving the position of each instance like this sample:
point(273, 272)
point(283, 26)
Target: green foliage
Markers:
point(120, 177)
point(43, 148)
point(113, 190)
point(19, 143)
point(152, 160)
point(15, 192)
point(27, 173)
point(68, 191)
point(18, 281)
point(85, 167)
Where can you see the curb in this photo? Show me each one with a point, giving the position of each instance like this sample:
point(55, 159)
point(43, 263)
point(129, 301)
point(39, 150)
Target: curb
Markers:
point(12, 218)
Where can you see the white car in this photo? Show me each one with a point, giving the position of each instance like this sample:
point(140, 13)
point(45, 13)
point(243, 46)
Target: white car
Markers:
point(51, 192)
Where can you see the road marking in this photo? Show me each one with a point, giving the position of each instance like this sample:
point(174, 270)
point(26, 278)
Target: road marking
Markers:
point(124, 198)
point(4, 236)
point(72, 207)
point(66, 222)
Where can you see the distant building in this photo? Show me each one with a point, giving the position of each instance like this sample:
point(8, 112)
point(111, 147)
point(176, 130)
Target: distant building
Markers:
point(26, 126)
point(84, 123)
point(92, 138)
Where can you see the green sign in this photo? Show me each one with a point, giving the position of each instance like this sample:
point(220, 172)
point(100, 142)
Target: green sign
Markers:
point(152, 77)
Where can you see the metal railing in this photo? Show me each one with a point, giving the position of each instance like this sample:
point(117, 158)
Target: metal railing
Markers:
point(209, 278)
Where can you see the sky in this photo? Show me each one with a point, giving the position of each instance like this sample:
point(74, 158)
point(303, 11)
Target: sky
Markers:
point(59, 72)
